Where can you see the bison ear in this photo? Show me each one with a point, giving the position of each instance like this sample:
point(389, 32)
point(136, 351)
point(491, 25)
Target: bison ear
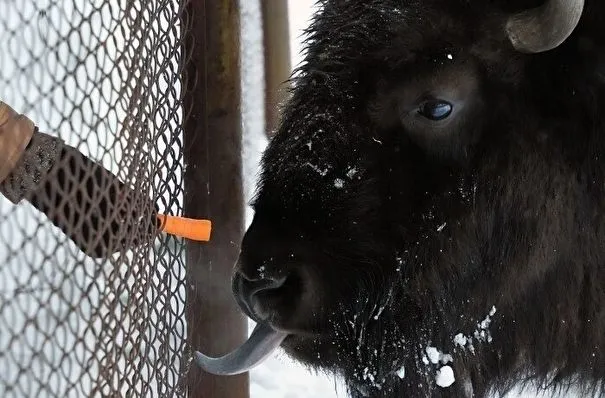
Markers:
point(546, 27)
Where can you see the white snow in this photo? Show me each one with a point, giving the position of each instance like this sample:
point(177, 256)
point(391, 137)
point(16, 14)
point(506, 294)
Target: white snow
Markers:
point(446, 358)
point(460, 340)
point(445, 376)
point(433, 354)
point(322, 172)
point(401, 372)
point(351, 172)
point(481, 333)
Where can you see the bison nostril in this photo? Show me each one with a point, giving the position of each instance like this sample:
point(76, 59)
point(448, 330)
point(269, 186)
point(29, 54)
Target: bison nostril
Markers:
point(247, 291)
point(254, 286)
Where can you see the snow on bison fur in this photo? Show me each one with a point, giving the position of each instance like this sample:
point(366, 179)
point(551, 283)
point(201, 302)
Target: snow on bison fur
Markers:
point(432, 208)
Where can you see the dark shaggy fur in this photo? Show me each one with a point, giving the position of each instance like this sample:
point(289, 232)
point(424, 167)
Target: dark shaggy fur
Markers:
point(396, 237)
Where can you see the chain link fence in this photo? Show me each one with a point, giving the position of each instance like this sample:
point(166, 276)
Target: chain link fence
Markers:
point(103, 76)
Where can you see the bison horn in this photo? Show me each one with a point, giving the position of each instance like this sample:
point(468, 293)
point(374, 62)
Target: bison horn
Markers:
point(261, 343)
point(545, 27)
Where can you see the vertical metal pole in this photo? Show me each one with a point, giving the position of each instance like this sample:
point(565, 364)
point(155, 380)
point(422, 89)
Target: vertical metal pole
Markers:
point(213, 188)
point(276, 41)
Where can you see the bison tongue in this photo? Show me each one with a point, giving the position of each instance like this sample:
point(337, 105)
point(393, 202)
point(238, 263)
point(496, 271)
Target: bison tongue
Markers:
point(261, 343)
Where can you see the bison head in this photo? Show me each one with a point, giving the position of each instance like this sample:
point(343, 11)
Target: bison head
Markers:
point(430, 202)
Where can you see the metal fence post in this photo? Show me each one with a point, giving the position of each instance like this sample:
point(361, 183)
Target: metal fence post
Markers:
point(276, 41)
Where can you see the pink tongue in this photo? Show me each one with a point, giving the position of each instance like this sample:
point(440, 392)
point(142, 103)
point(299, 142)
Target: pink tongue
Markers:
point(261, 343)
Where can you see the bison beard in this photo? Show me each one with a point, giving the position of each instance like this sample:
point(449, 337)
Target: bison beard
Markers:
point(434, 197)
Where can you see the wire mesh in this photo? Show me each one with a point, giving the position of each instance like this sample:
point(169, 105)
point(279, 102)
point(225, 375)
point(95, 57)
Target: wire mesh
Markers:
point(104, 77)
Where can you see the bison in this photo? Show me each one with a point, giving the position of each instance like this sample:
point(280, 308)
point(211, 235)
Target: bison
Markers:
point(430, 218)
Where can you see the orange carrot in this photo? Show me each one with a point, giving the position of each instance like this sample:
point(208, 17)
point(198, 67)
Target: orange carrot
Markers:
point(186, 227)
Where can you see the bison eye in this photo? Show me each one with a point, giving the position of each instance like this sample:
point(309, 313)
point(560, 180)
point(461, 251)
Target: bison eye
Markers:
point(435, 109)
